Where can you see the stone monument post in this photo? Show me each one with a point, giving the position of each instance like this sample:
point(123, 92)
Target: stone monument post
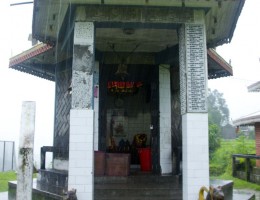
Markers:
point(25, 155)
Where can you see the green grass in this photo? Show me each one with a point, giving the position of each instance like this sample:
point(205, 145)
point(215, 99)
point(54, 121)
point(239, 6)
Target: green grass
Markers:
point(221, 161)
point(4, 178)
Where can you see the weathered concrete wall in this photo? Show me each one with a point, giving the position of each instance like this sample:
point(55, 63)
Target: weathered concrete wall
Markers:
point(62, 116)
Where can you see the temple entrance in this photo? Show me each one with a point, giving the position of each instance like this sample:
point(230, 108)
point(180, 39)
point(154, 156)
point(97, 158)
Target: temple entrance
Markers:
point(129, 112)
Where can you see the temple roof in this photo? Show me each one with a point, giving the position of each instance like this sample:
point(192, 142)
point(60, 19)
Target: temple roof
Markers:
point(151, 24)
point(53, 21)
point(41, 60)
point(248, 119)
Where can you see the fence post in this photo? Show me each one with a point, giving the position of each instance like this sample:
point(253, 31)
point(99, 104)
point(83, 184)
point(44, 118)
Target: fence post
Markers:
point(13, 154)
point(234, 173)
point(248, 169)
point(4, 158)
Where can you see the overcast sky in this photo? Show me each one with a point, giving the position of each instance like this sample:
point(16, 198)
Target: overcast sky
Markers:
point(17, 87)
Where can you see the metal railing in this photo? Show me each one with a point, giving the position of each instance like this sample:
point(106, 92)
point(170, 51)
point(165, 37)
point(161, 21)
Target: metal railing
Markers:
point(7, 156)
point(247, 168)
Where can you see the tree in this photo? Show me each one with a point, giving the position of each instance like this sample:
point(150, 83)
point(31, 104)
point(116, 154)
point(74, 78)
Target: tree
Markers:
point(218, 116)
point(217, 108)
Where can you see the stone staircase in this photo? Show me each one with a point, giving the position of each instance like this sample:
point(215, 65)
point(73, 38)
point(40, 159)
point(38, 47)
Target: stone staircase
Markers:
point(137, 187)
point(134, 187)
point(141, 187)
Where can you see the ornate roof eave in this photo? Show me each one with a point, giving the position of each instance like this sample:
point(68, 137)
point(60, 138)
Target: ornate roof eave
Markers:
point(21, 62)
point(40, 61)
point(224, 69)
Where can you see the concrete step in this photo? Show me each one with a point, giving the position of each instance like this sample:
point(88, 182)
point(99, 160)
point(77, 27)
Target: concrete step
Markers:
point(137, 193)
point(150, 187)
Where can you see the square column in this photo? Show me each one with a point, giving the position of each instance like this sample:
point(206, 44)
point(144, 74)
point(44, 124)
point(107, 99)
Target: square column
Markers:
point(165, 119)
point(193, 89)
point(81, 165)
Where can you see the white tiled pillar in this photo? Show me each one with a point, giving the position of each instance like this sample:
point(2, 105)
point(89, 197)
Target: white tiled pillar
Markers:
point(96, 105)
point(195, 163)
point(193, 91)
point(165, 119)
point(81, 153)
point(81, 144)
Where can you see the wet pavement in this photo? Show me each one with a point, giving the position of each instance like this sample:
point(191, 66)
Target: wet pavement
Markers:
point(4, 195)
point(242, 194)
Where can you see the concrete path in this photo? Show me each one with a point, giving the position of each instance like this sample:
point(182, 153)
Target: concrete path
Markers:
point(4, 195)
point(244, 193)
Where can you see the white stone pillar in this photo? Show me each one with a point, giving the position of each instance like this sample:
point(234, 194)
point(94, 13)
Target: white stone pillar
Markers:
point(165, 119)
point(81, 141)
point(25, 156)
point(96, 105)
point(193, 85)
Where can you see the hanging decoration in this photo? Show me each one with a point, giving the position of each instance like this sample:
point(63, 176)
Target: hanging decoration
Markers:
point(123, 87)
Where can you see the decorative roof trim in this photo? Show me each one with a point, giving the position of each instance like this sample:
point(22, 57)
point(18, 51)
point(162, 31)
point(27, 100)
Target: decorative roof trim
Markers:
point(18, 62)
point(216, 57)
point(22, 68)
point(26, 55)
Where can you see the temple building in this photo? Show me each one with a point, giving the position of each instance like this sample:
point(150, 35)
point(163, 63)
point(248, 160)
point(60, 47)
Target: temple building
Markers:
point(252, 120)
point(129, 75)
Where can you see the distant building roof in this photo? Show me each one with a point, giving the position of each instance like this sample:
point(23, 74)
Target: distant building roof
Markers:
point(248, 119)
point(254, 87)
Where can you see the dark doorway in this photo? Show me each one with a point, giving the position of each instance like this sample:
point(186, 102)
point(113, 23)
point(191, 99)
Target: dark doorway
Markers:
point(129, 109)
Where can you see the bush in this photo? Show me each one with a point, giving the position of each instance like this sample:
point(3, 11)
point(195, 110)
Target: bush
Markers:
point(215, 169)
point(221, 159)
point(214, 138)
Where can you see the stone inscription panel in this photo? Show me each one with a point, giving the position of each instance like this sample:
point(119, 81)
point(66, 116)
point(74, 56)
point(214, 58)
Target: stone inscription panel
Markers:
point(196, 73)
point(182, 59)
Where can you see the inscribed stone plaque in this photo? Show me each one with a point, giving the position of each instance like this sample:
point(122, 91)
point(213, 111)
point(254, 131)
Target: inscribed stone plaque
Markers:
point(193, 71)
point(196, 68)
point(182, 59)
